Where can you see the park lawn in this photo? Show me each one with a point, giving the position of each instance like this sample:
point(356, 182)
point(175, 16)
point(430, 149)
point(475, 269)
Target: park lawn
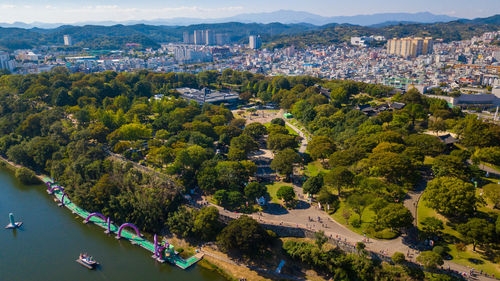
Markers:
point(487, 266)
point(314, 168)
point(272, 189)
point(290, 130)
point(464, 258)
point(299, 126)
point(367, 218)
point(423, 211)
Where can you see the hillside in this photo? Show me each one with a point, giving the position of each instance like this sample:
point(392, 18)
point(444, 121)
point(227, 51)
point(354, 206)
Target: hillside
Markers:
point(275, 34)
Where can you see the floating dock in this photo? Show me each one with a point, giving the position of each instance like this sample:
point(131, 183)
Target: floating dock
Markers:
point(132, 237)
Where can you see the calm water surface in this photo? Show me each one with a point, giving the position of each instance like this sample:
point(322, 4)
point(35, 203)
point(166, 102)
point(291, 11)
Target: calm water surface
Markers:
point(46, 246)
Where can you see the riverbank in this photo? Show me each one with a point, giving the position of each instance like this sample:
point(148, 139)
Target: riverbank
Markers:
point(209, 262)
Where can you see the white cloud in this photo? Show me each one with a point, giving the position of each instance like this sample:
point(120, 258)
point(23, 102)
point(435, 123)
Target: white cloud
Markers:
point(49, 13)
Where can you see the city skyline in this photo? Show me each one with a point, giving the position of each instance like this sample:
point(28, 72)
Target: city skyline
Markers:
point(113, 10)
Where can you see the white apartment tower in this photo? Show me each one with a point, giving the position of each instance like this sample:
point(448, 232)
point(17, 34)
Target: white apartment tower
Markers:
point(67, 40)
point(254, 42)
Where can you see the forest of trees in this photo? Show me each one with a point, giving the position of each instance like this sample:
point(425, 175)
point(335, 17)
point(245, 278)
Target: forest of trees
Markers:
point(76, 127)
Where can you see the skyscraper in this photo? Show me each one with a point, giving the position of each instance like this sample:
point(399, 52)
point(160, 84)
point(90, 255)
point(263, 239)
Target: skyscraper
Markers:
point(199, 37)
point(67, 40)
point(209, 37)
point(254, 42)
point(410, 47)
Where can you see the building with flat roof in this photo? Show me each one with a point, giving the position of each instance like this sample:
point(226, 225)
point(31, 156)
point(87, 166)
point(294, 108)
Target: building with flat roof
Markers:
point(410, 47)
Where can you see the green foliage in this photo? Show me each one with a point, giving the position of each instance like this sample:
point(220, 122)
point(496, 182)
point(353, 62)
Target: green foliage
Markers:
point(254, 190)
point(181, 222)
point(284, 160)
point(339, 178)
point(487, 154)
point(451, 196)
point(206, 224)
point(244, 236)
point(286, 193)
point(450, 166)
point(430, 260)
point(432, 226)
point(395, 216)
point(492, 192)
point(320, 147)
point(313, 184)
point(398, 258)
point(26, 176)
point(477, 231)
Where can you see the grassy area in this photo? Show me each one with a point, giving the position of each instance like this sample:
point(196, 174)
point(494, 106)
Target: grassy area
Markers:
point(300, 127)
point(464, 258)
point(290, 130)
point(314, 168)
point(272, 189)
point(367, 218)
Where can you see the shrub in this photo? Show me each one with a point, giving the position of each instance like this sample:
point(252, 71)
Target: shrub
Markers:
point(398, 258)
point(26, 176)
point(440, 250)
point(385, 234)
point(355, 222)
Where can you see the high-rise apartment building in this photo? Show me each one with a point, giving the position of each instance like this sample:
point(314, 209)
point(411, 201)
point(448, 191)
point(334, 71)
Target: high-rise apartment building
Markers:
point(209, 37)
point(67, 40)
point(410, 47)
point(199, 38)
point(5, 62)
point(254, 42)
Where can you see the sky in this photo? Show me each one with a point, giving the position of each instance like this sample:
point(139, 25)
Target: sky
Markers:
point(70, 11)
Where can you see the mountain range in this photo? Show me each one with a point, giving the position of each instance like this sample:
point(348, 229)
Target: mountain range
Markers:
point(281, 16)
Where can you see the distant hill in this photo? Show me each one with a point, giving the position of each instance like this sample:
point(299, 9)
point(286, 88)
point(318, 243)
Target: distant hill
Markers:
point(274, 34)
point(281, 16)
point(449, 31)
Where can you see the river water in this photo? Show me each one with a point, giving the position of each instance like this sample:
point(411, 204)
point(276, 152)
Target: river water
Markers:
point(51, 238)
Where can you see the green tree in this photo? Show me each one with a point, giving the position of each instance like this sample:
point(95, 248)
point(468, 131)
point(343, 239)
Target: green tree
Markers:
point(492, 192)
point(279, 141)
point(181, 222)
point(450, 166)
point(430, 260)
point(313, 184)
point(477, 231)
point(245, 236)
point(358, 202)
point(398, 258)
point(26, 176)
point(451, 196)
point(206, 223)
point(256, 130)
point(321, 147)
point(395, 216)
point(320, 239)
point(340, 178)
point(286, 193)
point(432, 226)
point(254, 190)
point(284, 160)
point(396, 168)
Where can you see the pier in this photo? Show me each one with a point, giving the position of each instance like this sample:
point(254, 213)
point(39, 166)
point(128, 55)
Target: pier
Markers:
point(162, 252)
